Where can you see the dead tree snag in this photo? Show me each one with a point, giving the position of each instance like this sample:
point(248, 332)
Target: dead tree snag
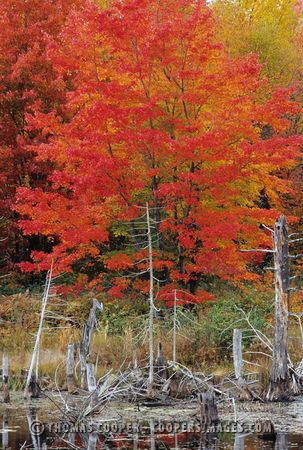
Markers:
point(280, 383)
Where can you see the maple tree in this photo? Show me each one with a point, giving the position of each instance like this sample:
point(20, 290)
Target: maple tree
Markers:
point(273, 29)
point(28, 85)
point(159, 112)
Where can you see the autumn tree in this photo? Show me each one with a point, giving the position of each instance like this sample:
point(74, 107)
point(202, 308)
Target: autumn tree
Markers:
point(159, 112)
point(270, 28)
point(28, 86)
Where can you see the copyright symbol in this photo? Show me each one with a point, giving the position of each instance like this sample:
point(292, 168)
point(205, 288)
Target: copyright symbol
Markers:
point(37, 428)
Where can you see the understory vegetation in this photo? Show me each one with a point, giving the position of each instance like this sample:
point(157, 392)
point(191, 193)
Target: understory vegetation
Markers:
point(204, 333)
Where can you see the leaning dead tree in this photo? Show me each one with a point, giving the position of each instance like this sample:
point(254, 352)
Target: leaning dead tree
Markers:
point(282, 382)
point(87, 334)
point(31, 386)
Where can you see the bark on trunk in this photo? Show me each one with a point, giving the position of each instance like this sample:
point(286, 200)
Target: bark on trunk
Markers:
point(92, 386)
point(5, 428)
point(87, 333)
point(70, 364)
point(239, 442)
point(245, 392)
point(5, 379)
point(279, 388)
point(208, 408)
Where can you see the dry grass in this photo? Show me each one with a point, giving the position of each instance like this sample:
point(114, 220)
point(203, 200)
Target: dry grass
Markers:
point(111, 349)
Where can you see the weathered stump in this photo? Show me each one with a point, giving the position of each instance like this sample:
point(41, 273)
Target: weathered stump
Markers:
point(208, 408)
point(92, 386)
point(32, 390)
point(6, 398)
point(245, 392)
point(160, 365)
point(87, 333)
point(70, 371)
point(178, 387)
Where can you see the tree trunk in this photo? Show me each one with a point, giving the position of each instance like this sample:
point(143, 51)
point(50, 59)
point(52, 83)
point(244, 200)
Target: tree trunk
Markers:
point(279, 388)
point(92, 386)
point(245, 393)
point(151, 305)
point(87, 333)
point(208, 408)
point(5, 379)
point(282, 441)
point(5, 428)
point(70, 363)
point(239, 442)
point(31, 387)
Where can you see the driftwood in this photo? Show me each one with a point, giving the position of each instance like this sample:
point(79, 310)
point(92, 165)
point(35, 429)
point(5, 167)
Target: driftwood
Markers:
point(70, 368)
point(280, 384)
point(6, 398)
point(208, 408)
point(87, 333)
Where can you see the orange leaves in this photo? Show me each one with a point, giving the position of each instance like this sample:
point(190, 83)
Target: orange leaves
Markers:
point(120, 261)
point(156, 110)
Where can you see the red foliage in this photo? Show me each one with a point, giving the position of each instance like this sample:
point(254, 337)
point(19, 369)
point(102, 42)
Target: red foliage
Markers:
point(158, 112)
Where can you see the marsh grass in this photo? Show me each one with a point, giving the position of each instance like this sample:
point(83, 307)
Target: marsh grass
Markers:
point(202, 342)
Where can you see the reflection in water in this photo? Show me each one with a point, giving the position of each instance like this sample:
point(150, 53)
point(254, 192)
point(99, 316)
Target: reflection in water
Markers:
point(239, 442)
point(208, 441)
point(282, 441)
point(92, 441)
point(14, 438)
point(31, 418)
point(152, 435)
point(5, 430)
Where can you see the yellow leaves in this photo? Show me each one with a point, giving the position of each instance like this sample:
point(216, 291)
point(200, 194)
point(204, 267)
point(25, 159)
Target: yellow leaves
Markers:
point(111, 128)
point(265, 27)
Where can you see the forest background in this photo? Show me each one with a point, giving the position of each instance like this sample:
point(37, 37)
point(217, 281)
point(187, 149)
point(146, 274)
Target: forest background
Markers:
point(105, 107)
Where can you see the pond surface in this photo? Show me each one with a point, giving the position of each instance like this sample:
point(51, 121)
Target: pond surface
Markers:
point(17, 433)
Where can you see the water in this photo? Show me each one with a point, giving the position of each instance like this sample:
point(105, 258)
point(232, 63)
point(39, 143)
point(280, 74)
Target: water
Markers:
point(16, 434)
